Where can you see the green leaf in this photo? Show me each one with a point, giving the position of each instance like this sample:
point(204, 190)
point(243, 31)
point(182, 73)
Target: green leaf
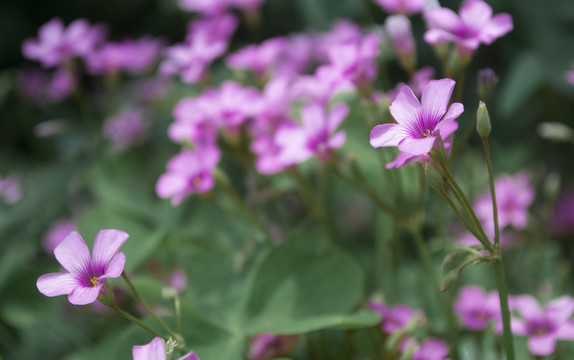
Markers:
point(291, 293)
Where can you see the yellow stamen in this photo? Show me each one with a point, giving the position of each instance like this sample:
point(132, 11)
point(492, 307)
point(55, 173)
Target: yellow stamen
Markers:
point(95, 281)
point(427, 133)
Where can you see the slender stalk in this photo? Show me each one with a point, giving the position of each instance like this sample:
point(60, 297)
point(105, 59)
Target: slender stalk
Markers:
point(147, 307)
point(361, 184)
point(136, 321)
point(444, 302)
point(503, 296)
point(178, 314)
point(492, 190)
point(459, 194)
point(458, 214)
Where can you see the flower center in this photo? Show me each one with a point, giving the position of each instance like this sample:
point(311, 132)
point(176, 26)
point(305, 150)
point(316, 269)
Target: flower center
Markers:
point(95, 282)
point(196, 182)
point(427, 133)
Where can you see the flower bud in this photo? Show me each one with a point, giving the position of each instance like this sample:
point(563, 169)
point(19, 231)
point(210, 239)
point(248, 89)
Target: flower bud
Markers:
point(555, 131)
point(434, 179)
point(483, 126)
point(455, 259)
point(486, 81)
point(450, 279)
point(399, 30)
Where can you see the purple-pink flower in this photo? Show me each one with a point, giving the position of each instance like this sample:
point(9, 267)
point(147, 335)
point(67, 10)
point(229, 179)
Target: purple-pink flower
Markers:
point(85, 278)
point(269, 346)
point(514, 194)
point(474, 26)
point(563, 217)
point(419, 124)
point(431, 349)
point(393, 318)
point(260, 59)
point(189, 172)
point(316, 136)
point(407, 7)
point(357, 61)
point(125, 128)
point(543, 326)
point(477, 308)
point(399, 29)
point(10, 189)
point(57, 45)
point(133, 56)
point(155, 350)
point(57, 233)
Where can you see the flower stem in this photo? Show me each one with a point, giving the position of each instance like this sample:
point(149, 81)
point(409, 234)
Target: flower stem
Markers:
point(136, 321)
point(178, 314)
point(444, 302)
point(503, 296)
point(458, 214)
point(459, 194)
point(492, 191)
point(147, 307)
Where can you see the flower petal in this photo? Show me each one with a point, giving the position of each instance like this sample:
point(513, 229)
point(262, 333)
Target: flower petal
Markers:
point(83, 295)
point(190, 356)
point(560, 310)
point(73, 254)
point(417, 146)
point(106, 244)
point(542, 345)
point(453, 112)
point(475, 14)
point(115, 266)
point(566, 331)
point(406, 108)
point(336, 116)
point(527, 306)
point(155, 350)
point(499, 25)
point(386, 135)
point(448, 129)
point(518, 326)
point(337, 140)
point(55, 284)
point(438, 36)
point(401, 159)
point(443, 18)
point(435, 99)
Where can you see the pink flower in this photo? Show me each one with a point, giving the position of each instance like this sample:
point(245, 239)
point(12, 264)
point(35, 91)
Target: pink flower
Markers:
point(474, 26)
point(513, 196)
point(563, 217)
point(477, 308)
point(215, 28)
point(85, 278)
point(270, 346)
point(189, 172)
point(393, 318)
point(343, 32)
point(399, 29)
point(206, 7)
point(56, 45)
point(431, 349)
point(10, 189)
point(260, 59)
point(357, 61)
point(407, 7)
point(155, 350)
point(324, 84)
point(543, 326)
point(316, 136)
point(125, 128)
point(58, 232)
point(133, 56)
point(419, 124)
point(193, 122)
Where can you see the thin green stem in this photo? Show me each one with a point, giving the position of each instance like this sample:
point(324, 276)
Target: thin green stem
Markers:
point(459, 194)
point(361, 183)
point(136, 321)
point(147, 307)
point(177, 306)
point(457, 212)
point(503, 296)
point(444, 302)
point(492, 191)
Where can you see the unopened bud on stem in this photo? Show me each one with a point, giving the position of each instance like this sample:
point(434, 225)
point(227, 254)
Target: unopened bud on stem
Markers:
point(483, 125)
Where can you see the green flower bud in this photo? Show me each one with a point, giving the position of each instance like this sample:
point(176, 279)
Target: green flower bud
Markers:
point(486, 81)
point(555, 131)
point(434, 179)
point(483, 126)
point(450, 279)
